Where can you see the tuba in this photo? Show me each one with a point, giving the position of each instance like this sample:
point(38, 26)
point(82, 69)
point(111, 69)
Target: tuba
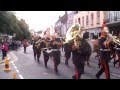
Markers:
point(73, 33)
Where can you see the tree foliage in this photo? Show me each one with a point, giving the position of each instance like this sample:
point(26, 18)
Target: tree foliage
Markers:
point(9, 24)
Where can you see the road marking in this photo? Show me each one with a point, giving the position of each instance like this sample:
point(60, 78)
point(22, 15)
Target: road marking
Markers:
point(17, 71)
point(45, 73)
point(21, 77)
point(14, 56)
point(15, 67)
point(15, 59)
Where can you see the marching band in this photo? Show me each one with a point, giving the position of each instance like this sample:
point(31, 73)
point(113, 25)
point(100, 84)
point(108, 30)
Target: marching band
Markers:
point(80, 50)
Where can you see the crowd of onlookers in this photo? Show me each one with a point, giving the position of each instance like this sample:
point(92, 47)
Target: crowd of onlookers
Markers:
point(5, 46)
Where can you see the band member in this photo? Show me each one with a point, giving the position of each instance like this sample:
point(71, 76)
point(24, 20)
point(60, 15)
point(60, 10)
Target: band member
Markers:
point(104, 54)
point(34, 48)
point(44, 47)
point(117, 52)
point(67, 50)
point(25, 44)
point(80, 50)
point(38, 49)
point(55, 53)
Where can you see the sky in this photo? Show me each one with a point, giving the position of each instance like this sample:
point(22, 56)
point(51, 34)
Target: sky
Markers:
point(40, 20)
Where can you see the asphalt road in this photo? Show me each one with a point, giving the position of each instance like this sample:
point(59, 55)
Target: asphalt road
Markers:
point(26, 67)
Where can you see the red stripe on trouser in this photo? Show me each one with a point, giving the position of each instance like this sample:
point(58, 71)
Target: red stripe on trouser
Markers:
point(76, 73)
point(106, 69)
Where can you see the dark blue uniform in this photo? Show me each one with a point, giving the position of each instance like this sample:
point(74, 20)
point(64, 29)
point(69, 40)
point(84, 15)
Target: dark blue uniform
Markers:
point(104, 59)
point(118, 53)
point(45, 54)
point(55, 55)
point(67, 50)
point(79, 56)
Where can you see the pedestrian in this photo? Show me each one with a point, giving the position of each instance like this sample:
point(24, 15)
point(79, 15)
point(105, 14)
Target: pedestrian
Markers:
point(104, 53)
point(4, 50)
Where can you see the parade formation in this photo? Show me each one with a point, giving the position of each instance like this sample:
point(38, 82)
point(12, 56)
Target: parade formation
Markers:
point(76, 48)
point(76, 45)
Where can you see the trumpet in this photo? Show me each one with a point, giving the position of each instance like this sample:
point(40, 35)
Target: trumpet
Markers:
point(111, 36)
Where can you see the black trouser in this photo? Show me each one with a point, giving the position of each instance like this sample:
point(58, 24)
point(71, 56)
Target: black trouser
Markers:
point(46, 57)
point(115, 62)
point(79, 70)
point(38, 55)
point(67, 56)
point(104, 68)
point(56, 59)
point(79, 63)
point(4, 53)
point(24, 48)
point(35, 53)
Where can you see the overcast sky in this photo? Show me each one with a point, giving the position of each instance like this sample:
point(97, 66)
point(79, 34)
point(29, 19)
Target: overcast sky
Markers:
point(40, 20)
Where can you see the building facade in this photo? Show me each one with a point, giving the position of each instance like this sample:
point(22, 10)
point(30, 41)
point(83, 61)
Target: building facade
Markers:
point(91, 22)
point(70, 19)
point(113, 21)
point(57, 26)
point(64, 20)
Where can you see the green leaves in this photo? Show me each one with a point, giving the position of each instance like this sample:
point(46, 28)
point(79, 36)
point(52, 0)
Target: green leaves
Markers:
point(9, 24)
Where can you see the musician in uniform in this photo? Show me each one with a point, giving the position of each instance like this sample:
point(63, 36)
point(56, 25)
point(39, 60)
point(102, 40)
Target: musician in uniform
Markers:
point(34, 47)
point(104, 42)
point(55, 53)
point(38, 48)
point(45, 47)
point(67, 50)
point(118, 52)
point(80, 49)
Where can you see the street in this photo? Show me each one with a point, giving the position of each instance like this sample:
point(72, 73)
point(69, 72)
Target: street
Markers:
point(26, 67)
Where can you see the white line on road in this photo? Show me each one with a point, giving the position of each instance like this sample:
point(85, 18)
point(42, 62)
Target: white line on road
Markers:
point(15, 67)
point(21, 77)
point(14, 56)
point(17, 71)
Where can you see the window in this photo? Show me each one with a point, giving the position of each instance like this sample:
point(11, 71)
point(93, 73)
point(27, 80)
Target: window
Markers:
point(79, 21)
point(83, 21)
point(92, 18)
point(87, 20)
point(98, 17)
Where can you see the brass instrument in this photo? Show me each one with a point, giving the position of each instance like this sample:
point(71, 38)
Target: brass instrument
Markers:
point(110, 36)
point(74, 33)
